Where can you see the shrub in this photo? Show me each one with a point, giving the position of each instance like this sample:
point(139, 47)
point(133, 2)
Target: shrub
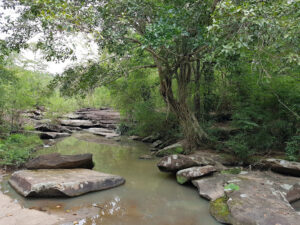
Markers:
point(292, 148)
point(17, 148)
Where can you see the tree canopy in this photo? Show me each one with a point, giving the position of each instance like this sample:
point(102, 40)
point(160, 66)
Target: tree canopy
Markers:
point(185, 40)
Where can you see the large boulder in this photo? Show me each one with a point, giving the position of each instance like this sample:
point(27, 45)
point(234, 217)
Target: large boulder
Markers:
point(283, 166)
point(255, 198)
point(188, 174)
point(61, 182)
point(174, 163)
point(58, 161)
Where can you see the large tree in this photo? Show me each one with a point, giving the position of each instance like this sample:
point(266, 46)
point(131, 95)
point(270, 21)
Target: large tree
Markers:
point(174, 36)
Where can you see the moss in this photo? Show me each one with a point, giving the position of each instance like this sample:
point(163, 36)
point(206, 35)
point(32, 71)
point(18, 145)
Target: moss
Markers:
point(232, 187)
point(231, 171)
point(181, 179)
point(219, 209)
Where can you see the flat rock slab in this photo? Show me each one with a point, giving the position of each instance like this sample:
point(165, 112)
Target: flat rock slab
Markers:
point(52, 128)
point(283, 166)
point(211, 187)
point(103, 132)
point(62, 182)
point(255, 198)
point(52, 135)
point(78, 123)
point(58, 161)
point(174, 163)
point(188, 174)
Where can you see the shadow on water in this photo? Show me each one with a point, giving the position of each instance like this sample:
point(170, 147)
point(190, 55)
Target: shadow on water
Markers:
point(148, 196)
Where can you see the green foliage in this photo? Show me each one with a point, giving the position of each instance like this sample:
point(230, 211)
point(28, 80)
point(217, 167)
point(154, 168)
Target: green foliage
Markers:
point(292, 148)
point(238, 56)
point(17, 148)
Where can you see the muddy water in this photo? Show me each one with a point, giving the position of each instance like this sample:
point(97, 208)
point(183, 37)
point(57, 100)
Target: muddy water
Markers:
point(149, 197)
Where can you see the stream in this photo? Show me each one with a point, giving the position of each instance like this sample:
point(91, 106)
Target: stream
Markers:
point(149, 197)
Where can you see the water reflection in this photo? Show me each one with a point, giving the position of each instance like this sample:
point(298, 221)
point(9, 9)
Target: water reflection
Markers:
point(148, 197)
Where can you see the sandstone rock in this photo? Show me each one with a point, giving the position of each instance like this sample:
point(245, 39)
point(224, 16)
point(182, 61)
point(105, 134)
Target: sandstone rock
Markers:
point(219, 210)
point(188, 174)
point(61, 182)
point(73, 116)
point(52, 135)
point(173, 163)
point(283, 166)
point(58, 161)
point(293, 193)
point(210, 188)
point(78, 123)
point(103, 132)
point(169, 150)
point(254, 198)
point(52, 128)
point(135, 138)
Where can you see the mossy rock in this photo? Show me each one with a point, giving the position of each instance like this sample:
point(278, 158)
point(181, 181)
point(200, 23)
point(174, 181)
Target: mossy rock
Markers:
point(219, 210)
point(170, 151)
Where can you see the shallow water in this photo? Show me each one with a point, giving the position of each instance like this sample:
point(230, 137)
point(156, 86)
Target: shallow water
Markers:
point(149, 197)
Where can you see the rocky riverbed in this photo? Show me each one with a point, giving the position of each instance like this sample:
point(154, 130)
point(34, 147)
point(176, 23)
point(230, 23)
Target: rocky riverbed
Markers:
point(238, 196)
point(102, 122)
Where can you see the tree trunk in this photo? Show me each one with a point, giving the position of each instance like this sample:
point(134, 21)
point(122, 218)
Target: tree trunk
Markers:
point(197, 96)
point(193, 132)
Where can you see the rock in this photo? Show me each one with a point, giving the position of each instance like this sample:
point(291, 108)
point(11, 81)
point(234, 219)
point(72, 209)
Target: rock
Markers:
point(135, 138)
point(169, 150)
point(254, 198)
point(58, 161)
point(52, 135)
point(12, 213)
point(52, 128)
point(219, 210)
point(146, 157)
point(103, 132)
point(211, 187)
point(188, 174)
point(61, 182)
point(150, 139)
point(293, 193)
point(73, 116)
point(283, 166)
point(78, 123)
point(173, 163)
point(104, 117)
point(156, 144)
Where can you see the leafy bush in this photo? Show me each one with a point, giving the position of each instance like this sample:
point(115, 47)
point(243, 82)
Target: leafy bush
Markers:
point(17, 148)
point(292, 148)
